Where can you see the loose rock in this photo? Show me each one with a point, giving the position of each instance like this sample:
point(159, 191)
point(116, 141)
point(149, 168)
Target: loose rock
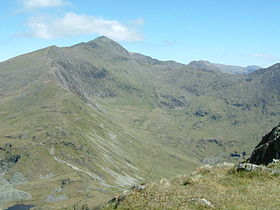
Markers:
point(203, 202)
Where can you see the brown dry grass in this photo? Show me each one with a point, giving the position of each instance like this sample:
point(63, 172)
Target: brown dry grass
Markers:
point(221, 185)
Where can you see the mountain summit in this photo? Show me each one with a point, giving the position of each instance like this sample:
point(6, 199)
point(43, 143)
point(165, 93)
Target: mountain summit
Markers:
point(108, 44)
point(81, 123)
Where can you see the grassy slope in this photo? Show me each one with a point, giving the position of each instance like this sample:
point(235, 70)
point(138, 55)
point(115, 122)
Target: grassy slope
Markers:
point(57, 103)
point(209, 91)
point(42, 122)
point(221, 185)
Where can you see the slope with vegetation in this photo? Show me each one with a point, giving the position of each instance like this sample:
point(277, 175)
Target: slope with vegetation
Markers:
point(80, 123)
point(223, 68)
point(223, 186)
point(209, 187)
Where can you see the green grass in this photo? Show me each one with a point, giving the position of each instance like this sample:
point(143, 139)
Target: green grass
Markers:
point(221, 185)
point(52, 100)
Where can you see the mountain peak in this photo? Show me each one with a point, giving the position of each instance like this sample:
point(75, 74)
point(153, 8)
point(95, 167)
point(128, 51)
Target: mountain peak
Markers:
point(103, 39)
point(107, 43)
point(200, 62)
point(203, 64)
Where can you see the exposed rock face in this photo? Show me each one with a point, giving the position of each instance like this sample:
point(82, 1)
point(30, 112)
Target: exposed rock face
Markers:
point(172, 102)
point(8, 191)
point(268, 149)
point(8, 162)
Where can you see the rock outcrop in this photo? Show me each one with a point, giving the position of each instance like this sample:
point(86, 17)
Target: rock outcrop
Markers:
point(253, 167)
point(268, 149)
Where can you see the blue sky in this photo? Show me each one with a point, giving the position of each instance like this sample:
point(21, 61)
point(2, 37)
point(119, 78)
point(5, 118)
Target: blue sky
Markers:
point(238, 32)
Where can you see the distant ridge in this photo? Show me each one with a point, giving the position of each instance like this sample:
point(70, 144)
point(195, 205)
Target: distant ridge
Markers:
point(100, 119)
point(223, 68)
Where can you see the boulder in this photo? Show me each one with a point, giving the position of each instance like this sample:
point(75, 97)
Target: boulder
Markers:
point(249, 167)
point(253, 167)
point(268, 149)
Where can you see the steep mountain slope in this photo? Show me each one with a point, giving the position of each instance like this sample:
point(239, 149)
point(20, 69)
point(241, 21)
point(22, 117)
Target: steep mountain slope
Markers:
point(223, 68)
point(268, 79)
point(82, 122)
point(60, 140)
point(247, 185)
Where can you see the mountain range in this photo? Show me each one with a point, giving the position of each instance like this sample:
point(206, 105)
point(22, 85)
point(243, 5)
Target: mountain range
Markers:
point(223, 68)
point(80, 123)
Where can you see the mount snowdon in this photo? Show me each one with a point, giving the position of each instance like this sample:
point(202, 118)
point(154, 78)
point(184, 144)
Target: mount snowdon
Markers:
point(82, 122)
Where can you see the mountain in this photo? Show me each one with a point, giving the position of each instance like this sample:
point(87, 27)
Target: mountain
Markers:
point(252, 68)
point(223, 68)
point(222, 186)
point(80, 123)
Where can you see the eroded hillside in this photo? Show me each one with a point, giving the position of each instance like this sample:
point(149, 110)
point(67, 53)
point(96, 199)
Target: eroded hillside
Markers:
point(82, 122)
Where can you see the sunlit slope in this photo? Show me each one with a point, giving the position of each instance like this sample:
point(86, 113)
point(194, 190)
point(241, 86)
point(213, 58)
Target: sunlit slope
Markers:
point(51, 133)
point(93, 118)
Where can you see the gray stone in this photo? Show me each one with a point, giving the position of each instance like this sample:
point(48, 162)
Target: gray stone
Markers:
point(268, 149)
point(203, 202)
point(254, 167)
point(10, 194)
point(248, 167)
point(17, 178)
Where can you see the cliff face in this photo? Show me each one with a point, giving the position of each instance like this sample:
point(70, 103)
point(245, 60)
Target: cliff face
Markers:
point(268, 149)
